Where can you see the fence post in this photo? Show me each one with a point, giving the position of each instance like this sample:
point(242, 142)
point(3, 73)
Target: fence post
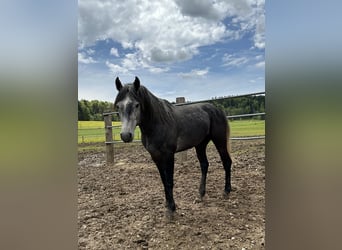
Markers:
point(109, 138)
point(183, 156)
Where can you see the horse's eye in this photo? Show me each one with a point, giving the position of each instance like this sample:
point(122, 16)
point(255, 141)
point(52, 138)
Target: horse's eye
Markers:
point(117, 107)
point(137, 105)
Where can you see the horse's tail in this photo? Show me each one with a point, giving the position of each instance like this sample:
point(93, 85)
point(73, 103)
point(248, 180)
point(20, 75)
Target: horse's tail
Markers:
point(220, 129)
point(224, 118)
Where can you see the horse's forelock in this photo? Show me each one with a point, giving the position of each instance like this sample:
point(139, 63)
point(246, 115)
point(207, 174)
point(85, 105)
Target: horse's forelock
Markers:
point(124, 91)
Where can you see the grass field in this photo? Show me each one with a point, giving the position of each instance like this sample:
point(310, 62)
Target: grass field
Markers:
point(93, 131)
point(241, 128)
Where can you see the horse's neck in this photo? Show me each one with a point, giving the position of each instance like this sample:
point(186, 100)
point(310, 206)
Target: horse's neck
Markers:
point(152, 115)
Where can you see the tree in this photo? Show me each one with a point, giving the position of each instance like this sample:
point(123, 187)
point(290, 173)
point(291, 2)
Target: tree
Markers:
point(93, 110)
point(84, 111)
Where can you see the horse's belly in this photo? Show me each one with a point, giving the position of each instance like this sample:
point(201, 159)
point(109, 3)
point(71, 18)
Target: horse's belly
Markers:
point(190, 140)
point(193, 127)
point(182, 146)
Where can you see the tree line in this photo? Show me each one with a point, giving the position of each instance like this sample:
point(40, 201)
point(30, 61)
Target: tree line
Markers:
point(93, 110)
point(241, 105)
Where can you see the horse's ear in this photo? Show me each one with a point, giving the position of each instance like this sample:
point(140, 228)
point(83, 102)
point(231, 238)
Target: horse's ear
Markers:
point(136, 83)
point(118, 84)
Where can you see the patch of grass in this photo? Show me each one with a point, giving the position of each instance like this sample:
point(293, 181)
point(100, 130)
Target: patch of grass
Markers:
point(94, 131)
point(241, 128)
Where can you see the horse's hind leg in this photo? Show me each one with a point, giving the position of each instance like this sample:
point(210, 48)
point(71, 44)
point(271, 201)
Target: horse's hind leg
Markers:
point(221, 146)
point(202, 157)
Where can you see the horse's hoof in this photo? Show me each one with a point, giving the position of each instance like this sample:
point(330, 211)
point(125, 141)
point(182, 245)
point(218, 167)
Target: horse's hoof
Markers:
point(170, 215)
point(202, 192)
point(226, 194)
point(198, 200)
point(171, 207)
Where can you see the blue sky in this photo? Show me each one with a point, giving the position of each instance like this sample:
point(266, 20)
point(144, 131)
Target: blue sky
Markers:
point(198, 49)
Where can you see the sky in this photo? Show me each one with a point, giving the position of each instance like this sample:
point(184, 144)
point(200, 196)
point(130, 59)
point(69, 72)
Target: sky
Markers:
point(198, 49)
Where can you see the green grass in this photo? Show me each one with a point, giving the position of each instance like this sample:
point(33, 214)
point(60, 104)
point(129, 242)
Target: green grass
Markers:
point(241, 128)
point(93, 131)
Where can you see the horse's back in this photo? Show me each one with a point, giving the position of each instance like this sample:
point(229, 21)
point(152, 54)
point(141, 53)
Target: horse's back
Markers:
point(201, 110)
point(196, 122)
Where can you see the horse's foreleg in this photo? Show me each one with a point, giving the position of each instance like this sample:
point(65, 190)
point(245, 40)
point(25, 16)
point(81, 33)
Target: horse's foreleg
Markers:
point(166, 169)
point(169, 170)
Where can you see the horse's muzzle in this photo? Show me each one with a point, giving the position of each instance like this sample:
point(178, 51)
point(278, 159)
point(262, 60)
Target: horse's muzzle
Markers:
point(126, 137)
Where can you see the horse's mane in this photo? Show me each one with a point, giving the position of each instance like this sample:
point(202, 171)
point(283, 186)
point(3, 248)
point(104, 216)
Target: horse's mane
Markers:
point(154, 108)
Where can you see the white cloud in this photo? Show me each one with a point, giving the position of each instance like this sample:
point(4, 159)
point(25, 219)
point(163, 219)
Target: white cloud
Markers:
point(116, 69)
point(132, 62)
point(195, 73)
point(114, 52)
point(157, 70)
point(249, 16)
point(90, 51)
point(259, 57)
point(234, 61)
point(82, 58)
point(260, 64)
point(166, 31)
point(168, 55)
point(259, 36)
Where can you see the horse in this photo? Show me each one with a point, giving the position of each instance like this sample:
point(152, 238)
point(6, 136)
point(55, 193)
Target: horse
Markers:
point(167, 129)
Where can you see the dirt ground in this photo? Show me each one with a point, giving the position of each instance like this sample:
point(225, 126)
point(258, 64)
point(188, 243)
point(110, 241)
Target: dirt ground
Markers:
point(122, 206)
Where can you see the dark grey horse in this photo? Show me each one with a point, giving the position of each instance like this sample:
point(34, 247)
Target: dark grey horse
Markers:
point(167, 129)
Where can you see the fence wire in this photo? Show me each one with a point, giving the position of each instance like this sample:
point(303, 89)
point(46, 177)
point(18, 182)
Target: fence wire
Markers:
point(188, 103)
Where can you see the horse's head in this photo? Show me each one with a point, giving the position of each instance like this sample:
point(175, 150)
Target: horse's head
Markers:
point(129, 108)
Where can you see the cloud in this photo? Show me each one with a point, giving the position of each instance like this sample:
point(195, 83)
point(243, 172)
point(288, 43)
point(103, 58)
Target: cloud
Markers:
point(200, 8)
point(259, 36)
point(158, 55)
point(167, 31)
point(114, 52)
point(82, 58)
point(195, 73)
point(90, 51)
point(249, 16)
point(234, 60)
point(116, 69)
point(157, 70)
point(132, 62)
point(249, 58)
point(260, 64)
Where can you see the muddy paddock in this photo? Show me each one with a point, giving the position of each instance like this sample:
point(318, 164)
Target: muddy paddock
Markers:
point(122, 206)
